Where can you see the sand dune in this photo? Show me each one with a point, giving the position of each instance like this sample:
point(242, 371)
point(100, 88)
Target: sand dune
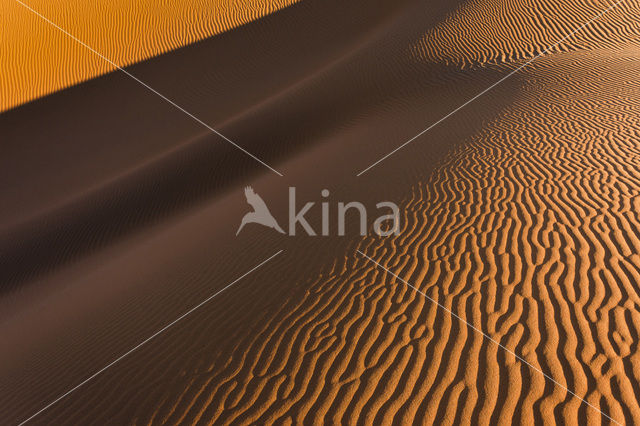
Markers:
point(482, 32)
point(520, 215)
point(37, 59)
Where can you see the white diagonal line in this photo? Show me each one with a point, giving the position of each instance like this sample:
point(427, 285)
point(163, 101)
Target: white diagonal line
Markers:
point(119, 68)
point(581, 27)
point(489, 338)
point(148, 339)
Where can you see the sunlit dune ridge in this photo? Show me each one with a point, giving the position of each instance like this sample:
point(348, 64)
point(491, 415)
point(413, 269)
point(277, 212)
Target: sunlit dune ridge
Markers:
point(484, 32)
point(37, 59)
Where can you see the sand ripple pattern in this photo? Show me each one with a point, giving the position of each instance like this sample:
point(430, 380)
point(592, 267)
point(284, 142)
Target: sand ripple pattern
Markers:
point(36, 59)
point(484, 32)
point(530, 232)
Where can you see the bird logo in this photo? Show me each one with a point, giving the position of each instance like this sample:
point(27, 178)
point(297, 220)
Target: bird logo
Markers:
point(260, 213)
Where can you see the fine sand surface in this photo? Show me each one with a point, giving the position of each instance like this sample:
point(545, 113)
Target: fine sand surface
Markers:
point(520, 216)
point(37, 59)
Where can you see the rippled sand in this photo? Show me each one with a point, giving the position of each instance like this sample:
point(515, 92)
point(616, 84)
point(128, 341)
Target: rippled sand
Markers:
point(521, 217)
point(38, 59)
point(482, 32)
point(530, 233)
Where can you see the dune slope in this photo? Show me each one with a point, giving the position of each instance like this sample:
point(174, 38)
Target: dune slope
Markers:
point(38, 59)
point(481, 32)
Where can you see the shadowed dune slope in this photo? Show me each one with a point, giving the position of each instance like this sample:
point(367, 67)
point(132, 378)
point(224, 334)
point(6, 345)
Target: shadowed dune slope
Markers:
point(111, 157)
point(37, 59)
point(482, 32)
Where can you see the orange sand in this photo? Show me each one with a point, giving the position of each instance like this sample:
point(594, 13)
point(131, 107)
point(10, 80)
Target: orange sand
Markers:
point(521, 216)
point(484, 32)
point(37, 59)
